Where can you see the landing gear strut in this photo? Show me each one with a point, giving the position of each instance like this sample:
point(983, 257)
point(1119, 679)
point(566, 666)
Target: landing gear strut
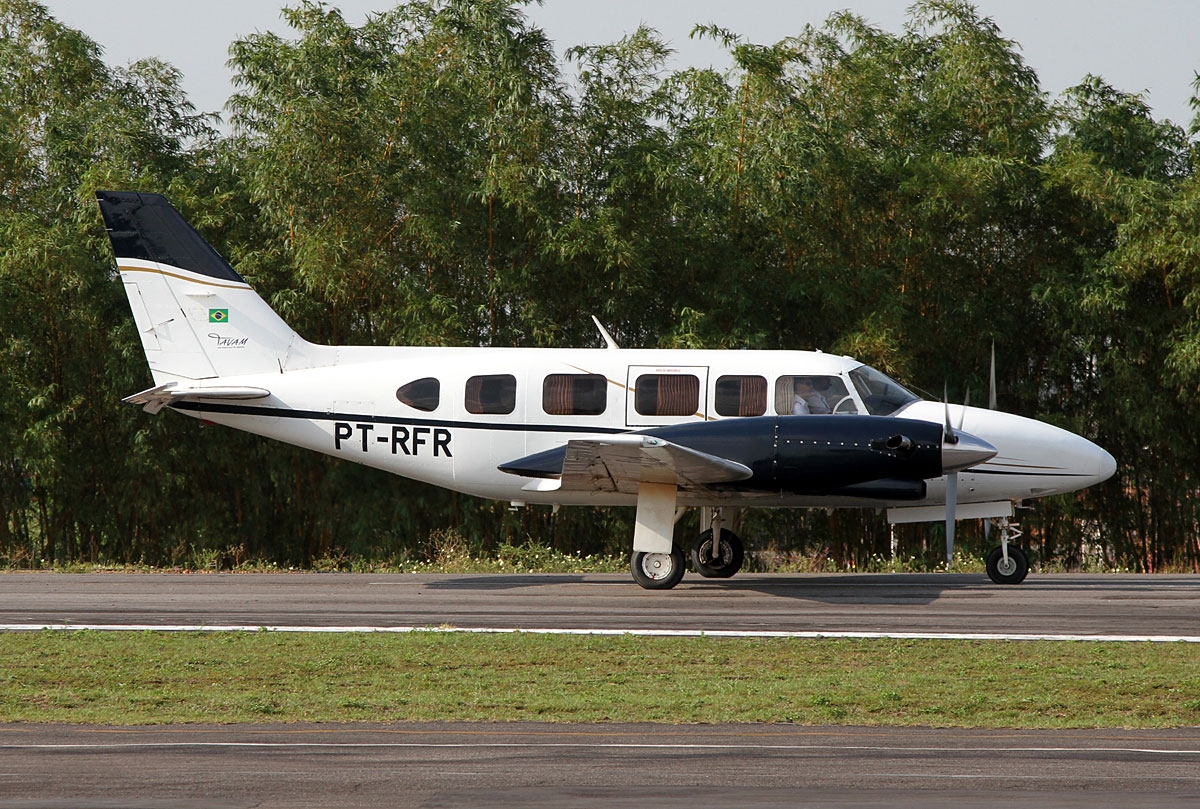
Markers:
point(722, 562)
point(658, 570)
point(1008, 563)
point(721, 559)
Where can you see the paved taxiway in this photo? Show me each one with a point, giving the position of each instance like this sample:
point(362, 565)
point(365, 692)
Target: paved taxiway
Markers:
point(564, 766)
point(1109, 605)
point(540, 766)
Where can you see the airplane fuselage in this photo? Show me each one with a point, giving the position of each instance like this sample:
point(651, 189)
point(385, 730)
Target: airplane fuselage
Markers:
point(351, 410)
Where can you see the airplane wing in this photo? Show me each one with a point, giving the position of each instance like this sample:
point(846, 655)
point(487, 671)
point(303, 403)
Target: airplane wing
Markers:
point(621, 463)
point(155, 399)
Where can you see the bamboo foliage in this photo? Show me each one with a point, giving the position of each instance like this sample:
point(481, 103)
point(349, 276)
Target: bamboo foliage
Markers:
point(438, 176)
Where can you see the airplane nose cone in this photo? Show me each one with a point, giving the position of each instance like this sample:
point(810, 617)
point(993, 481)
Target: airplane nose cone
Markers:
point(1105, 465)
point(1081, 462)
point(1089, 462)
point(966, 452)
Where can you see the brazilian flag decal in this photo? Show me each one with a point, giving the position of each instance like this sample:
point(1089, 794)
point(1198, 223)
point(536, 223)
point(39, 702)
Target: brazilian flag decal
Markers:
point(218, 315)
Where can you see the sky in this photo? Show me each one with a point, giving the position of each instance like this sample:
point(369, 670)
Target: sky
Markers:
point(1151, 47)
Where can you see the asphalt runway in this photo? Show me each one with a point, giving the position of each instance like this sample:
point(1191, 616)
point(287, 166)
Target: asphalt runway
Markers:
point(1103, 605)
point(541, 766)
point(567, 766)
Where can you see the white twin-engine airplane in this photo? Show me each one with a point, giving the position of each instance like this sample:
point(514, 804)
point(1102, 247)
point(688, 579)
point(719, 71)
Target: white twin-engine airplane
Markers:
point(662, 430)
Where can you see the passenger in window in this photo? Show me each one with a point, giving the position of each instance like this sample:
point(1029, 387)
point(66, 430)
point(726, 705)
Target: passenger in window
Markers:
point(806, 400)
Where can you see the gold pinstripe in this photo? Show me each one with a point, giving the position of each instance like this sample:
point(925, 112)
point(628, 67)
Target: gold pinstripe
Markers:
point(127, 268)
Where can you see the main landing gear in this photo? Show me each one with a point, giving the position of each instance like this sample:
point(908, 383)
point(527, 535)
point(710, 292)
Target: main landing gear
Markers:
point(658, 571)
point(722, 562)
point(1008, 563)
point(719, 560)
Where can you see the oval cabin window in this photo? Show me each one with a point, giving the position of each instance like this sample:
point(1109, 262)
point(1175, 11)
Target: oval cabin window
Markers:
point(421, 394)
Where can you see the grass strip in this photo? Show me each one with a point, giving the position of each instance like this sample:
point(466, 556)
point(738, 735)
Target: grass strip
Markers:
point(165, 678)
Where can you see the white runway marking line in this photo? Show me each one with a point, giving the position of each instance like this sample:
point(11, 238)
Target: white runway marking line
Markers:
point(647, 633)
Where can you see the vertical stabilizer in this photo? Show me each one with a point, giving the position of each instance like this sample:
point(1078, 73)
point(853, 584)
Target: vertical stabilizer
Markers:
point(197, 318)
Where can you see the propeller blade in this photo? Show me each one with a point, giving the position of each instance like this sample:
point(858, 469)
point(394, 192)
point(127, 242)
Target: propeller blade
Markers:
point(992, 380)
point(951, 515)
point(948, 432)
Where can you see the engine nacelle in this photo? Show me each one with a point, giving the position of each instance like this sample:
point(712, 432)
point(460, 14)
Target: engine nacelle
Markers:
point(817, 454)
point(879, 457)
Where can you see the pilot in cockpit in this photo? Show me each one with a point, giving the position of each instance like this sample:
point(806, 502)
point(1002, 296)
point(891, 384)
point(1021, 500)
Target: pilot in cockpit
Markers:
point(806, 400)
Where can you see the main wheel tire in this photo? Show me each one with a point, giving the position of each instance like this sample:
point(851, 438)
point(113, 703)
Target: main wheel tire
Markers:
point(658, 571)
point(1012, 572)
point(722, 564)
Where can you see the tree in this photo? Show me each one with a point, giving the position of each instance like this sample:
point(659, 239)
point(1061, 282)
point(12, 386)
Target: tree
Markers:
point(431, 177)
point(1121, 184)
point(68, 342)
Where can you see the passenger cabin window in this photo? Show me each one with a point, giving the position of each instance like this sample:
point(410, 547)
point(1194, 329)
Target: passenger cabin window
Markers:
point(574, 394)
point(421, 394)
point(813, 396)
point(666, 395)
point(495, 394)
point(741, 396)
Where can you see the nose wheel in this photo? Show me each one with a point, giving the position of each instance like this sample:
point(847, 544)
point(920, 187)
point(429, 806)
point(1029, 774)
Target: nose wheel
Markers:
point(1008, 563)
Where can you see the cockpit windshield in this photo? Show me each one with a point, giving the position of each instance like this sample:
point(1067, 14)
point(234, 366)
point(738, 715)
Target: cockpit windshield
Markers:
point(882, 395)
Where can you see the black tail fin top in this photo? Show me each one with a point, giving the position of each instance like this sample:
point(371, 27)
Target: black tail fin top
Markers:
point(147, 227)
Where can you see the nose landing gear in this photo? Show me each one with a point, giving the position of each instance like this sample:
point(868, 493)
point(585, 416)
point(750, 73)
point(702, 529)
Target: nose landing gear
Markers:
point(1008, 563)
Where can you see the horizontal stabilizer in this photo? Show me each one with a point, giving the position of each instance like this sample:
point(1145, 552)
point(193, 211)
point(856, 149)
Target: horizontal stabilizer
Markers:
point(155, 399)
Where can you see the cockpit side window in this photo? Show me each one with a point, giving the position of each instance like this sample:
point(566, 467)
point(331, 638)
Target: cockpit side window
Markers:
point(813, 396)
point(882, 395)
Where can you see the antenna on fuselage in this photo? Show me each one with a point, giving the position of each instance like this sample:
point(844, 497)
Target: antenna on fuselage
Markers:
point(608, 338)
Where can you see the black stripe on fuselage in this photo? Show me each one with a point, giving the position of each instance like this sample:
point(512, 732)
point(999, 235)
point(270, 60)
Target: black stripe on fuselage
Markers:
point(321, 415)
point(1046, 474)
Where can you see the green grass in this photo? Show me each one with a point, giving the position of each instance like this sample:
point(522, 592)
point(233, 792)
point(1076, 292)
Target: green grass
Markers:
point(448, 551)
point(162, 678)
point(534, 558)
